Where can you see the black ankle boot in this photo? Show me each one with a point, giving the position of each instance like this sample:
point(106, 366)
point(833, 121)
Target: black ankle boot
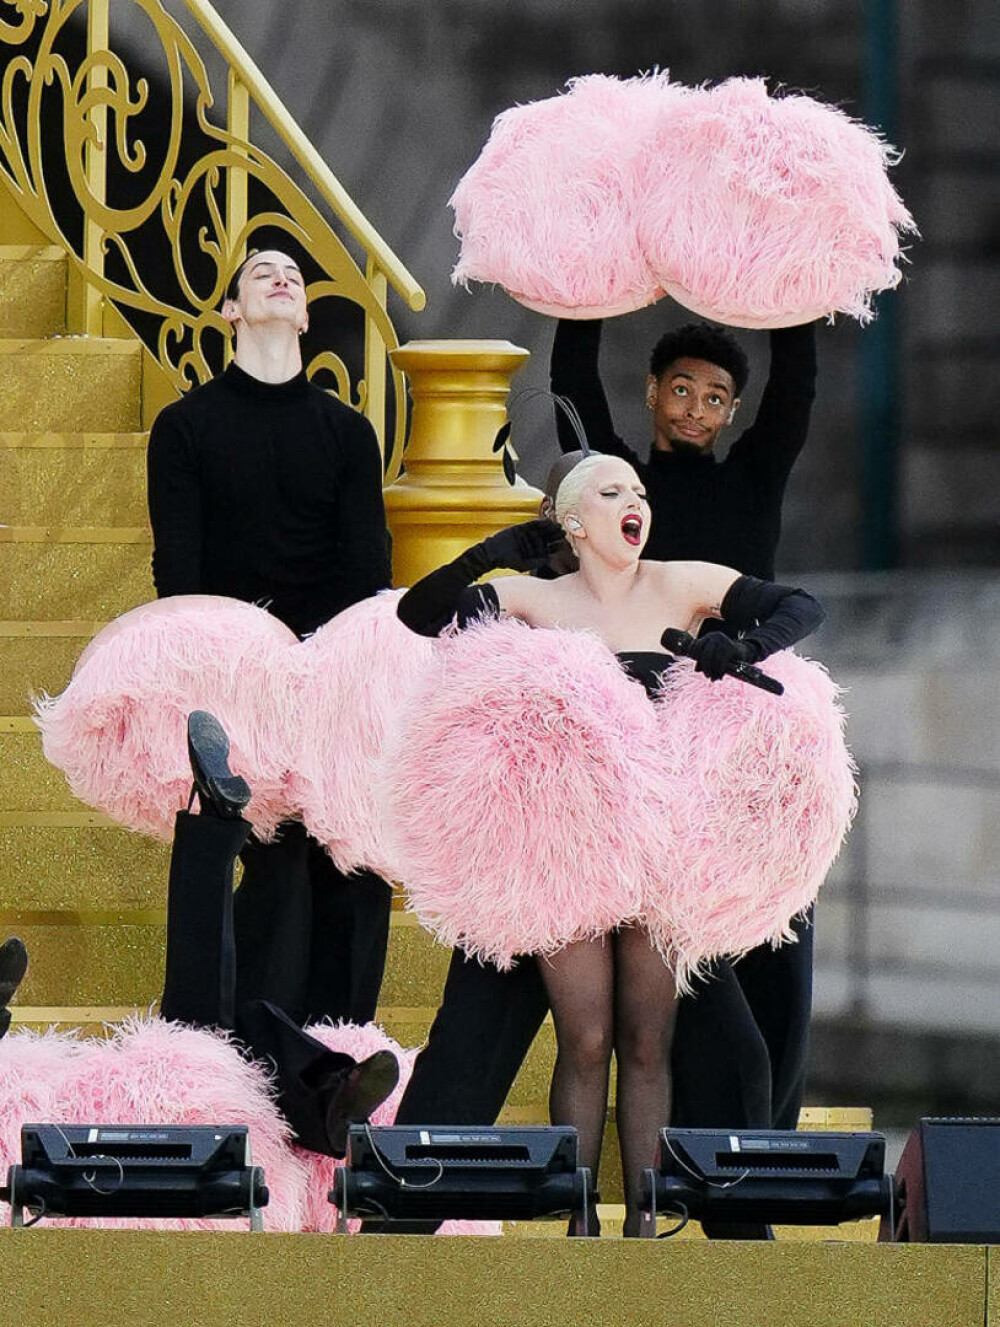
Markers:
point(13, 966)
point(220, 791)
point(320, 1092)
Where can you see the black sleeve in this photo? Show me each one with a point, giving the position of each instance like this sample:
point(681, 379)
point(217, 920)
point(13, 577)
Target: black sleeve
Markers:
point(430, 605)
point(772, 617)
point(173, 489)
point(574, 373)
point(364, 538)
point(771, 445)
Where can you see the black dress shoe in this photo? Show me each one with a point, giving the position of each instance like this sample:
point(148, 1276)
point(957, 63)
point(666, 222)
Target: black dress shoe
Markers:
point(220, 792)
point(13, 966)
point(363, 1090)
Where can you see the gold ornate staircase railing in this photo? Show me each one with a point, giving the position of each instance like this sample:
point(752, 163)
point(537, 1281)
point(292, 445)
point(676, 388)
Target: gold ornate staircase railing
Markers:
point(150, 197)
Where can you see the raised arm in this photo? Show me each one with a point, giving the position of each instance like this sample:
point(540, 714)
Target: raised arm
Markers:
point(771, 445)
point(574, 373)
point(433, 602)
point(173, 489)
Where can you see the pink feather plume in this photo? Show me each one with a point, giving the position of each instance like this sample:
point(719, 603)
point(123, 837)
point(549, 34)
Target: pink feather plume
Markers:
point(514, 786)
point(118, 731)
point(753, 210)
point(763, 794)
point(348, 682)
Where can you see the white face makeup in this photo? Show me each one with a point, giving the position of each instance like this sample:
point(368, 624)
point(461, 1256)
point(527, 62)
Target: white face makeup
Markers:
point(613, 513)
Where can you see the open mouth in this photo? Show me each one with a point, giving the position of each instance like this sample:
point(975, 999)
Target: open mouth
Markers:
point(632, 529)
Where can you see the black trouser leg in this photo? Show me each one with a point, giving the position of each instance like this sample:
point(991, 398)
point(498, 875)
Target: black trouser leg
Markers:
point(721, 1072)
point(199, 980)
point(777, 984)
point(482, 1032)
point(350, 937)
point(272, 915)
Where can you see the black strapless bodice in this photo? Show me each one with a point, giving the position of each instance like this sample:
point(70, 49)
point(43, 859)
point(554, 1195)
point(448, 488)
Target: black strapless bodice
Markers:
point(646, 666)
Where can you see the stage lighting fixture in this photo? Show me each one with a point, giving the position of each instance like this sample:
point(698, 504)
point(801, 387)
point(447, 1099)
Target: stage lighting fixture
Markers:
point(154, 1171)
point(441, 1173)
point(766, 1175)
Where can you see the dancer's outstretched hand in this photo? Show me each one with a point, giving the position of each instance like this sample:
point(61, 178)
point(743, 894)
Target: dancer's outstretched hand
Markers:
point(525, 547)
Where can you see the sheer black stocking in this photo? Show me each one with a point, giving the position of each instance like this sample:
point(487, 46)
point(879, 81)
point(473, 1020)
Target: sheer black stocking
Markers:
point(579, 981)
point(645, 1010)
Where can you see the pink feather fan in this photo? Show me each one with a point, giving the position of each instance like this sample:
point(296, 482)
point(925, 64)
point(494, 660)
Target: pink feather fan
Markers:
point(118, 731)
point(763, 794)
point(347, 683)
point(755, 211)
point(769, 211)
point(548, 211)
point(516, 786)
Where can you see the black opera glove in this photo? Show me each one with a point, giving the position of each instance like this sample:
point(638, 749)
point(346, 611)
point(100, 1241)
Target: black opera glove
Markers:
point(524, 547)
point(715, 653)
point(431, 604)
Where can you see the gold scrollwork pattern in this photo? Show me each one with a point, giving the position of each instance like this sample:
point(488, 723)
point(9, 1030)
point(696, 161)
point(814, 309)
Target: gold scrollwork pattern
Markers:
point(139, 160)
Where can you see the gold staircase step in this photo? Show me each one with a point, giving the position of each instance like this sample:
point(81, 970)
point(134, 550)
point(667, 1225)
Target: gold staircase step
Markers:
point(49, 867)
point(32, 290)
point(27, 781)
point(73, 480)
point(95, 575)
point(36, 657)
point(66, 383)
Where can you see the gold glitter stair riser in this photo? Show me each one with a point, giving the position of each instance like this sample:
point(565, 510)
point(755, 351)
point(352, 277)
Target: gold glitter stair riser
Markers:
point(70, 383)
point(32, 292)
point(48, 868)
point(98, 581)
point(30, 664)
point(74, 486)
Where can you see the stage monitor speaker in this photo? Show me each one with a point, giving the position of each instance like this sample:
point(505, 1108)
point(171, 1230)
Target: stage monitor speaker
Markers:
point(158, 1171)
point(948, 1182)
point(770, 1175)
point(455, 1172)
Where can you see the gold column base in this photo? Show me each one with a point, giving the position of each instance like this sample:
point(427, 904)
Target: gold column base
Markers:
point(454, 492)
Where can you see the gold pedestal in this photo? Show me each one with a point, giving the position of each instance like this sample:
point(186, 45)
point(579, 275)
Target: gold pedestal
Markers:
point(454, 492)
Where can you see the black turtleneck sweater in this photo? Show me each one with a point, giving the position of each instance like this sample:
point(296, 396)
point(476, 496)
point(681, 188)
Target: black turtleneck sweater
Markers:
point(704, 509)
point(270, 493)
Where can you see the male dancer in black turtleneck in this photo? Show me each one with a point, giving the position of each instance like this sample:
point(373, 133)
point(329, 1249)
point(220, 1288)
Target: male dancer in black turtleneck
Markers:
point(739, 1047)
point(265, 488)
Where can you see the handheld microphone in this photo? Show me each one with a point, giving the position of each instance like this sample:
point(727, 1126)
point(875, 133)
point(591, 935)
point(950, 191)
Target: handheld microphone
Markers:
point(680, 642)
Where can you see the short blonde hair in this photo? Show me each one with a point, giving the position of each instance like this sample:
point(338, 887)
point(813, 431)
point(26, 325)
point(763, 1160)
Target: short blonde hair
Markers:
point(570, 491)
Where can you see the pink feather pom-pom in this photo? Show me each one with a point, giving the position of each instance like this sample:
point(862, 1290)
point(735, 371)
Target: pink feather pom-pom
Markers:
point(347, 683)
point(763, 795)
point(32, 1067)
point(768, 211)
point(155, 1072)
point(360, 1042)
point(118, 731)
point(753, 210)
point(548, 211)
point(516, 786)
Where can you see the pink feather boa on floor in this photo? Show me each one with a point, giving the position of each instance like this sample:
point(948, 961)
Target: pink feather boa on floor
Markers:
point(753, 210)
point(537, 797)
point(154, 1072)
